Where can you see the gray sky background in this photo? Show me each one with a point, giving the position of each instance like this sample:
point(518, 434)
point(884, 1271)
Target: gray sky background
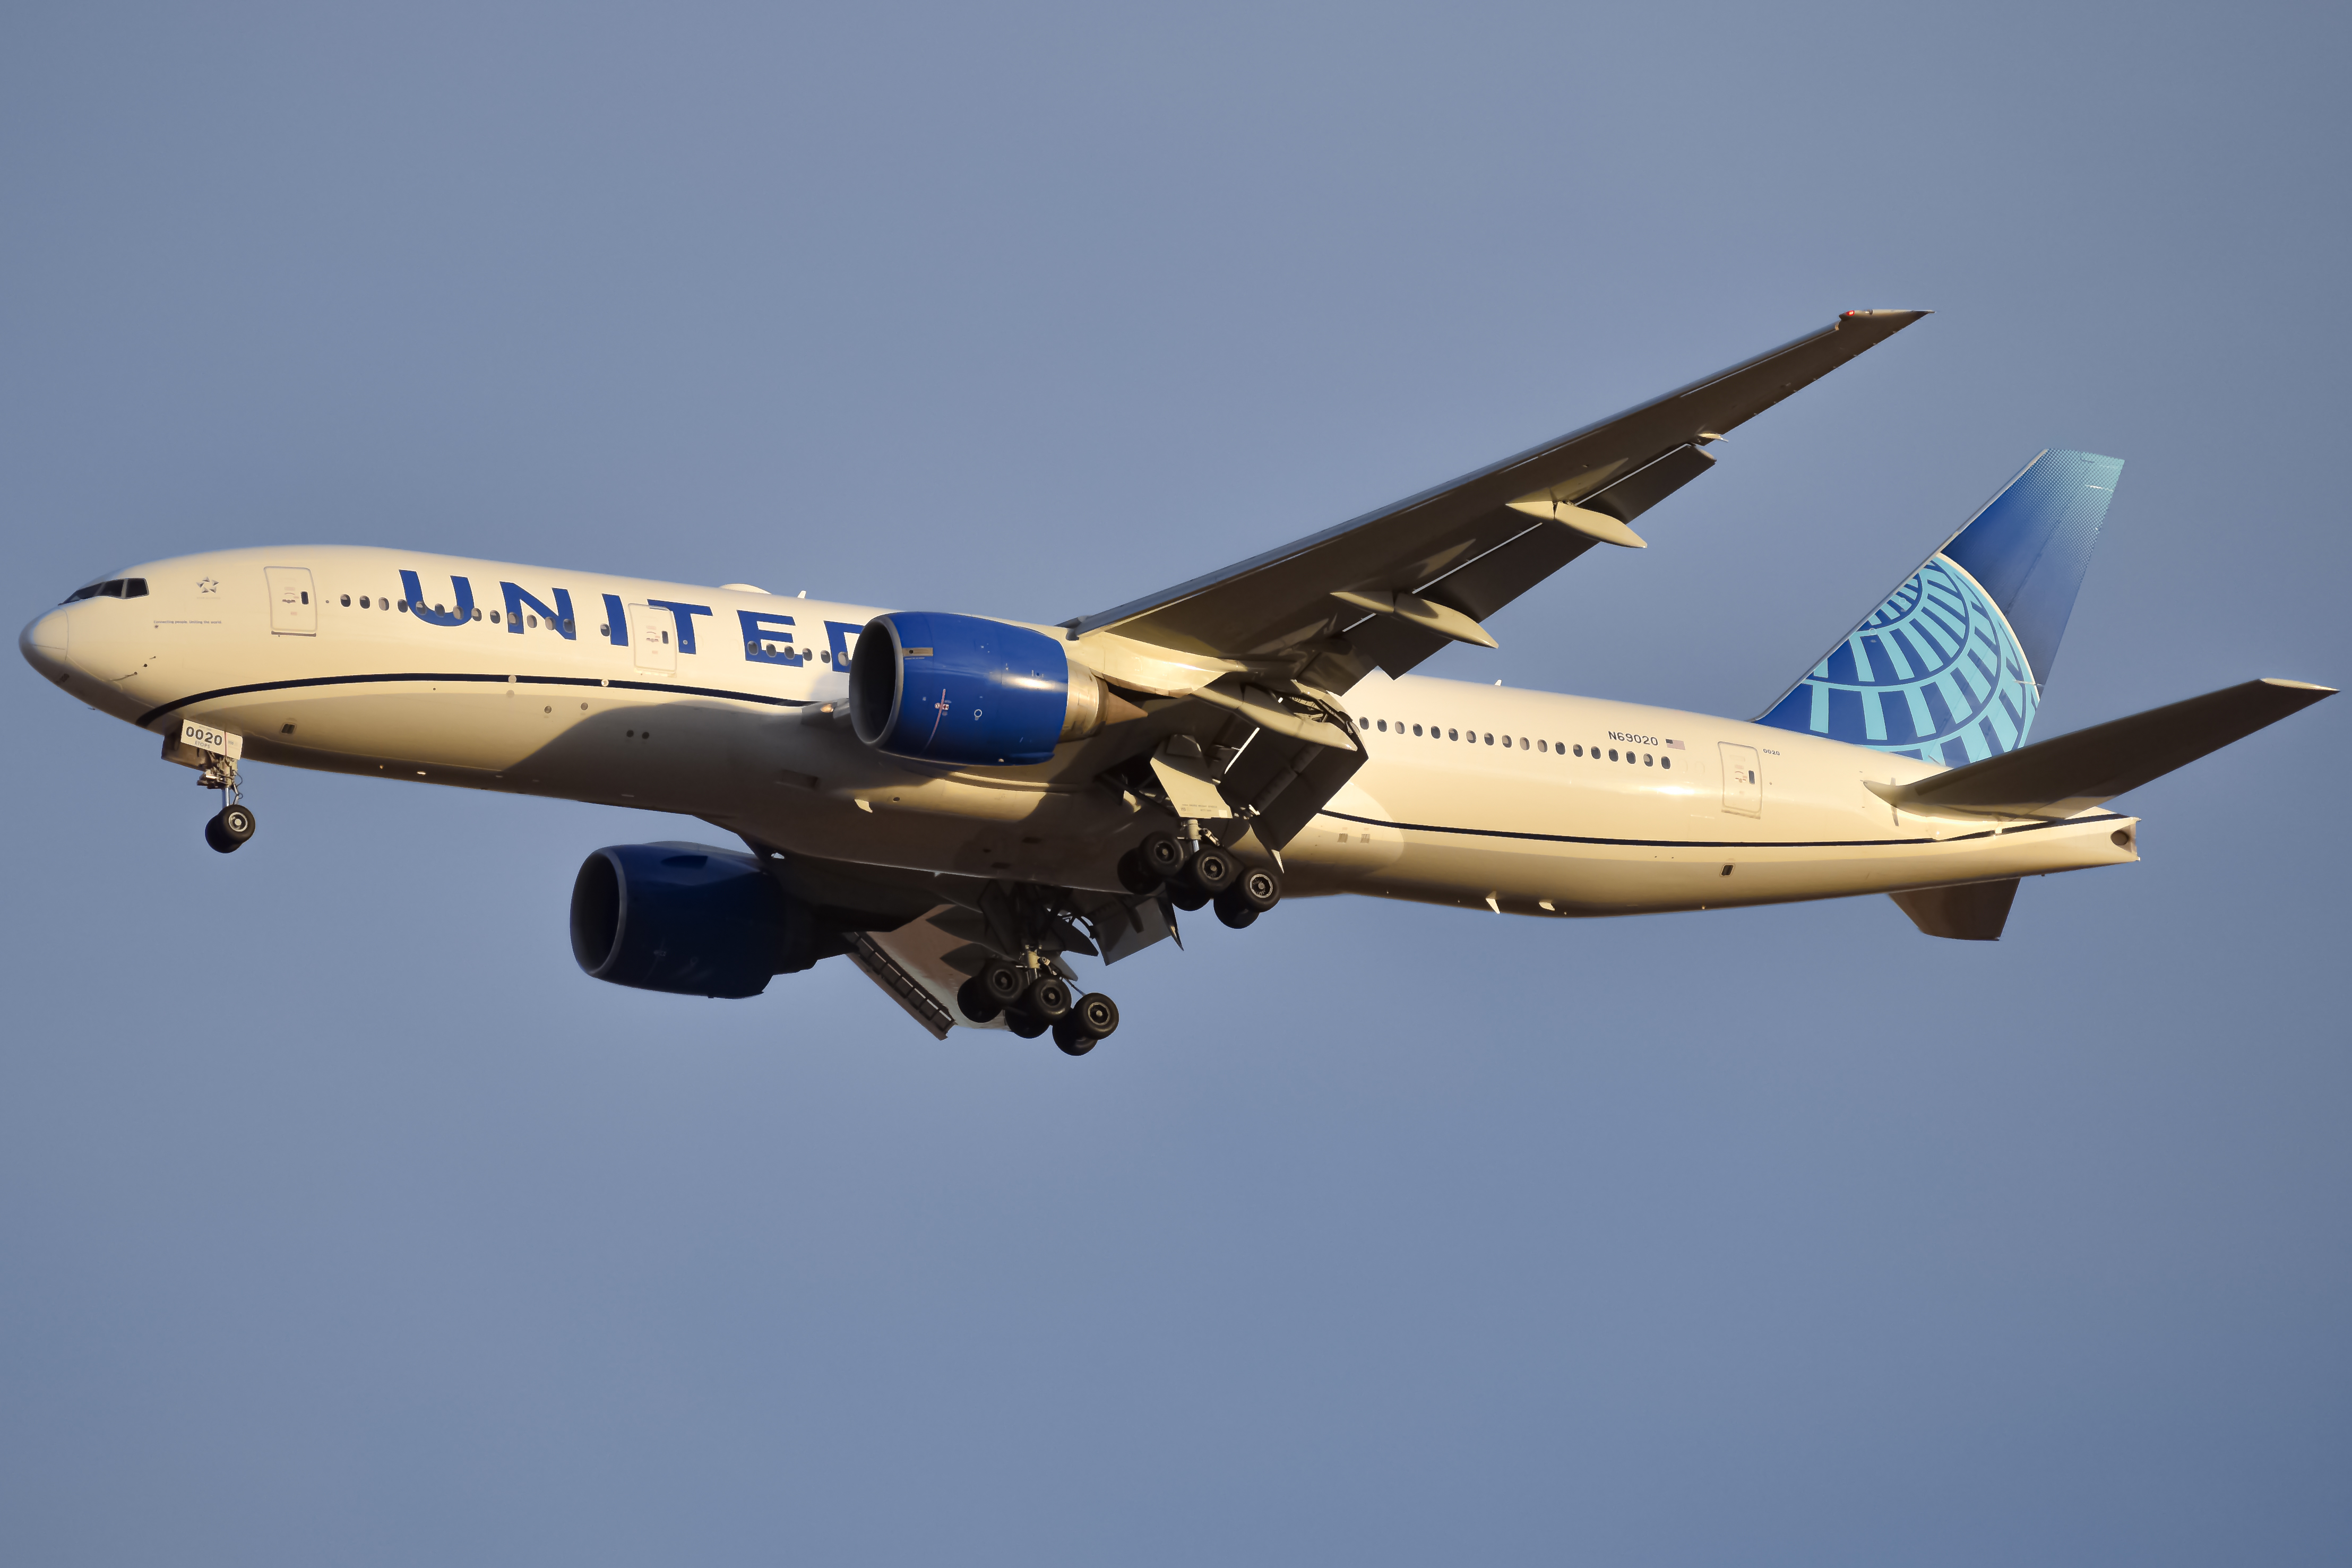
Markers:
point(341, 1220)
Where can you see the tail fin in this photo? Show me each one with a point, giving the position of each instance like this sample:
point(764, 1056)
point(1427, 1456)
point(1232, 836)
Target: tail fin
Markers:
point(1950, 668)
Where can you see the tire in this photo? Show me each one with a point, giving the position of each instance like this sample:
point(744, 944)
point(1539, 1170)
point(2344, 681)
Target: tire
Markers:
point(1097, 1014)
point(1003, 981)
point(1164, 855)
point(1074, 1041)
point(1235, 910)
point(1212, 871)
point(974, 1003)
point(228, 827)
point(1134, 875)
point(1260, 889)
point(1022, 1024)
point(1048, 998)
point(1187, 898)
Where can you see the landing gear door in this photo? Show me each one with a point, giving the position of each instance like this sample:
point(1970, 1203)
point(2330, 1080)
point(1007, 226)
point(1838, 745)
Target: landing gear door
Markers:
point(653, 633)
point(1743, 779)
point(293, 608)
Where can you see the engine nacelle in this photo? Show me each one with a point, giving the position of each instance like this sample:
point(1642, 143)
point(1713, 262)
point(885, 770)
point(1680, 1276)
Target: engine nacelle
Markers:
point(689, 920)
point(959, 688)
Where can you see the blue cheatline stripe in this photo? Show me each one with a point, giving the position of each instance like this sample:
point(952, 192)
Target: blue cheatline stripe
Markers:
point(154, 713)
point(1716, 843)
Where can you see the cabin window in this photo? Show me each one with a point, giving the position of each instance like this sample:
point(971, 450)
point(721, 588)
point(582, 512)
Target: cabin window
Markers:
point(347, 601)
point(1416, 729)
point(494, 616)
point(404, 606)
point(1612, 753)
point(1385, 726)
point(1452, 735)
point(1523, 742)
point(825, 657)
point(567, 626)
point(1362, 723)
point(1665, 761)
point(477, 612)
point(1541, 746)
point(1648, 761)
point(605, 630)
point(363, 602)
point(1490, 739)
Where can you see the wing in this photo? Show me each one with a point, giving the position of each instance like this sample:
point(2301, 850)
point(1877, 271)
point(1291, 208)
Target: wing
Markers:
point(1430, 568)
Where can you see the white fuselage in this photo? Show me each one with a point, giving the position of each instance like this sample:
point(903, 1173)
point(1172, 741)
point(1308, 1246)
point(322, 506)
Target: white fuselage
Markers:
point(1559, 805)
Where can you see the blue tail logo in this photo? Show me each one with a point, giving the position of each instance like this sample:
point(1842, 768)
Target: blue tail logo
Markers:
point(1950, 668)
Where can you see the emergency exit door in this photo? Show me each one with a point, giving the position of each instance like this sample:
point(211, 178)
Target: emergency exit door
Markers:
point(1743, 779)
point(293, 609)
point(653, 633)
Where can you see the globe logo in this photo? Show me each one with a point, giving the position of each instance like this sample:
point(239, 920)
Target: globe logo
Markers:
point(1935, 673)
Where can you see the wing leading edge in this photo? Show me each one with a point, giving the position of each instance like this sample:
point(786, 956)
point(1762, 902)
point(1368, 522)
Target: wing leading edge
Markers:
point(1411, 571)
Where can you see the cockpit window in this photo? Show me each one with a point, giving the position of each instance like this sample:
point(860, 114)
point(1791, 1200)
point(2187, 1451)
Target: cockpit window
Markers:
point(112, 588)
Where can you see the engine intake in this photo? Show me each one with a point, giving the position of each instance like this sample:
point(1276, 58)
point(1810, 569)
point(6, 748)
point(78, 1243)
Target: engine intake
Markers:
point(959, 689)
point(689, 920)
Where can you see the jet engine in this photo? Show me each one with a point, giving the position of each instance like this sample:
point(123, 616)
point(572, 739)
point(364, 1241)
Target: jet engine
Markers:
point(690, 920)
point(959, 688)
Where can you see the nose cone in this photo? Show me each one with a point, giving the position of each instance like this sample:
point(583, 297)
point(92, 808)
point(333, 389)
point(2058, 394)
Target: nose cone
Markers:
point(45, 644)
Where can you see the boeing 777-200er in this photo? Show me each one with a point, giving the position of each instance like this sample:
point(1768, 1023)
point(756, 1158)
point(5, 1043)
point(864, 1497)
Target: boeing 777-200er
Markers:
point(958, 803)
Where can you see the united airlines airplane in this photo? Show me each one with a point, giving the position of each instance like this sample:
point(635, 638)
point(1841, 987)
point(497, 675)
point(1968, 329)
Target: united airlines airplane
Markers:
point(958, 803)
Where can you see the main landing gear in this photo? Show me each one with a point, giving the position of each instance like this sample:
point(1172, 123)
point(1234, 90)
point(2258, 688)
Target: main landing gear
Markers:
point(1194, 875)
point(1033, 1000)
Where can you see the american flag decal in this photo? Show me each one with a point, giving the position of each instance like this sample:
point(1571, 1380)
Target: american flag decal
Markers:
point(1677, 746)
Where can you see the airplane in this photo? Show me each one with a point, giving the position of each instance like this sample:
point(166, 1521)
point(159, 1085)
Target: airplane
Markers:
point(958, 803)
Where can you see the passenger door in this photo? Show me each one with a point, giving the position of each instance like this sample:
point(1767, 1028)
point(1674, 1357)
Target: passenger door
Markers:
point(293, 612)
point(1743, 779)
point(653, 633)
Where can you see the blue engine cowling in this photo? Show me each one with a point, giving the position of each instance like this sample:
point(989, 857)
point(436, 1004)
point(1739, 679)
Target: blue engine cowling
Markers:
point(689, 920)
point(959, 688)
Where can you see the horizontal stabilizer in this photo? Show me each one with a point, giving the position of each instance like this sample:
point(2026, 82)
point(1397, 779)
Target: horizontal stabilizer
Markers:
point(2057, 778)
point(1975, 911)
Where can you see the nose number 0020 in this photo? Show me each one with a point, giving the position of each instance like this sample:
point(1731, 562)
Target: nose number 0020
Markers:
point(205, 737)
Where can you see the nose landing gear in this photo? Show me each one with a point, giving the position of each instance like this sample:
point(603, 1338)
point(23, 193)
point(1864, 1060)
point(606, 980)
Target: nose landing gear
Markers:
point(233, 823)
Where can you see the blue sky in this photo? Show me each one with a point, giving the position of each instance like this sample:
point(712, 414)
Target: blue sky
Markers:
point(343, 1220)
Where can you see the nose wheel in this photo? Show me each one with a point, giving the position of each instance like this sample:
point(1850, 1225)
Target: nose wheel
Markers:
point(229, 827)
